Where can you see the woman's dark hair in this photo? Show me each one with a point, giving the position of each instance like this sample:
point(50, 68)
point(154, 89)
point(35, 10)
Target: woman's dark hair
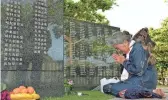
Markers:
point(143, 37)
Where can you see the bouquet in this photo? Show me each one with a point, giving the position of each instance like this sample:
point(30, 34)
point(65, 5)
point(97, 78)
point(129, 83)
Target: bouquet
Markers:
point(68, 84)
point(5, 95)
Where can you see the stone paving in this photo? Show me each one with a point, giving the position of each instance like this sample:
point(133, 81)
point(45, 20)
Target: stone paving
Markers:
point(164, 89)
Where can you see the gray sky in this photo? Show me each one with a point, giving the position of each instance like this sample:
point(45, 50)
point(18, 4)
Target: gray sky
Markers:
point(132, 15)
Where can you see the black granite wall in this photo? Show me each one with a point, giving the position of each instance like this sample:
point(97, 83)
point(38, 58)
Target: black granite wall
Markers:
point(32, 45)
point(90, 58)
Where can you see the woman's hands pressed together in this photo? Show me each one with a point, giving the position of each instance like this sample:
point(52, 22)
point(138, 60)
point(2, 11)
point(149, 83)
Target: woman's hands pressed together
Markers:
point(118, 58)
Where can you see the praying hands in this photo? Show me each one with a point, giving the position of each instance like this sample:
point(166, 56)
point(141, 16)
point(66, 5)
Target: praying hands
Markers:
point(118, 58)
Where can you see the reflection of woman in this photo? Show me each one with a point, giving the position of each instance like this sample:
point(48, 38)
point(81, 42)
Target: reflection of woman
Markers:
point(136, 66)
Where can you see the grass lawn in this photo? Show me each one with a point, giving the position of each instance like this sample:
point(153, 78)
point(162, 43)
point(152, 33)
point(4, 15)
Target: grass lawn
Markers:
point(92, 95)
point(162, 86)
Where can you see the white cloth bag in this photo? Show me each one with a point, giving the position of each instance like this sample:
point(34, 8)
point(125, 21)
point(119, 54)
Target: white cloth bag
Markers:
point(105, 81)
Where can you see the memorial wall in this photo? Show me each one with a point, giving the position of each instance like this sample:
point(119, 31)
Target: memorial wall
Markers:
point(32, 45)
point(87, 57)
point(37, 42)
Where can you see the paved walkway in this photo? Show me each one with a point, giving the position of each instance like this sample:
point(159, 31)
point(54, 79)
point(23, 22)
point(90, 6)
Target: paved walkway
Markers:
point(165, 89)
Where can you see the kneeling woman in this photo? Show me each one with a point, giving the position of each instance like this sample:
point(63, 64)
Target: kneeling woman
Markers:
point(136, 66)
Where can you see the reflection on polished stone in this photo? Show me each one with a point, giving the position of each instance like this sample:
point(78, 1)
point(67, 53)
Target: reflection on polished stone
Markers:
point(26, 42)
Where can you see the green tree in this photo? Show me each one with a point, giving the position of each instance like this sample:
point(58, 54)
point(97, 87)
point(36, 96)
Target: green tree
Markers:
point(100, 47)
point(160, 36)
point(55, 11)
point(87, 10)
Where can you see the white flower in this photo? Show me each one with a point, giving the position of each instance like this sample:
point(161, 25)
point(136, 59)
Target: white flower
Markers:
point(70, 82)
